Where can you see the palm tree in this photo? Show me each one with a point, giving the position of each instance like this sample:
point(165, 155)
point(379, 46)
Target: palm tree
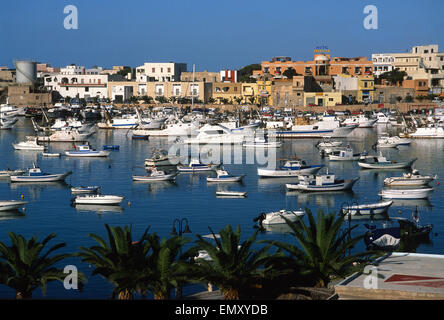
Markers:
point(232, 266)
point(24, 267)
point(121, 260)
point(322, 247)
point(167, 266)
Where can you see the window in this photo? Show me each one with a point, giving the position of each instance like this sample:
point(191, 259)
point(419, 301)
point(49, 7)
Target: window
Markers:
point(153, 70)
point(169, 70)
point(86, 89)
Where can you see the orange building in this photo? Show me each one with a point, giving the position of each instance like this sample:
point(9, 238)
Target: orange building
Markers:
point(321, 65)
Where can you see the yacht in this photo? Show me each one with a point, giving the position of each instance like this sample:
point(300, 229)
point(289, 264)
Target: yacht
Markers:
point(382, 118)
point(175, 129)
point(65, 135)
point(291, 168)
point(215, 134)
point(428, 133)
point(30, 144)
point(328, 126)
point(361, 120)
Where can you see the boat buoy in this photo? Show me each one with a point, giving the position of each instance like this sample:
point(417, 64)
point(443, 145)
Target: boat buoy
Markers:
point(129, 203)
point(22, 197)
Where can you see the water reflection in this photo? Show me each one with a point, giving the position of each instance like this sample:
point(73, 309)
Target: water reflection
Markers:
point(11, 215)
point(99, 209)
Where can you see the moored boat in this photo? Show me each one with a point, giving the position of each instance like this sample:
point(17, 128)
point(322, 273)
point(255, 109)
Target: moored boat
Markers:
point(82, 189)
point(196, 166)
point(278, 217)
point(156, 175)
point(30, 144)
point(98, 199)
point(367, 209)
point(409, 179)
point(345, 154)
point(291, 168)
point(322, 183)
point(36, 175)
point(235, 194)
point(86, 151)
point(223, 176)
point(11, 205)
point(381, 162)
point(421, 193)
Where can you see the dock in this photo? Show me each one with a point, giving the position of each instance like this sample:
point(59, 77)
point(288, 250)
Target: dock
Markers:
point(397, 276)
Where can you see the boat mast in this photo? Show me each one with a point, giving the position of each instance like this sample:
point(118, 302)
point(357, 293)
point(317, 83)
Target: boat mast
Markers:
point(192, 93)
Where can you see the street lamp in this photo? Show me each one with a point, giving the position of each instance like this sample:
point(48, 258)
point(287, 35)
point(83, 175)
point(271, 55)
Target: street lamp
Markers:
point(182, 229)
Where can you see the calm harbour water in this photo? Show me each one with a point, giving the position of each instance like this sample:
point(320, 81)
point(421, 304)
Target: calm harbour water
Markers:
point(158, 204)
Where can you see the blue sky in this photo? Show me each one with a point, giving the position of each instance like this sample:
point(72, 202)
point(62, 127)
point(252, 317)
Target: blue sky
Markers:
point(211, 34)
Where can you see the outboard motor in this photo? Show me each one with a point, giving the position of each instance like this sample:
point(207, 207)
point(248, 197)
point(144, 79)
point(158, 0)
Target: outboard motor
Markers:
point(260, 218)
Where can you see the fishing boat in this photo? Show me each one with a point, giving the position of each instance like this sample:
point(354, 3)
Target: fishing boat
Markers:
point(260, 142)
point(235, 194)
point(223, 176)
point(421, 193)
point(409, 179)
point(345, 154)
point(30, 144)
point(87, 189)
point(389, 238)
point(196, 166)
point(98, 199)
point(36, 175)
point(11, 205)
point(161, 157)
point(278, 217)
point(156, 175)
point(328, 142)
point(291, 168)
point(322, 183)
point(381, 162)
point(86, 151)
point(367, 209)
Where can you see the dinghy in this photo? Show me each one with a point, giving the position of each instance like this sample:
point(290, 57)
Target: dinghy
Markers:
point(291, 168)
point(409, 179)
point(51, 155)
point(11, 205)
point(406, 193)
point(381, 162)
point(223, 176)
point(98, 199)
point(88, 189)
point(367, 209)
point(235, 194)
point(156, 175)
point(278, 217)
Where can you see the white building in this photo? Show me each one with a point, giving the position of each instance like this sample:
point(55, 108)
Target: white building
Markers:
point(345, 83)
point(78, 85)
point(163, 72)
point(72, 69)
point(382, 62)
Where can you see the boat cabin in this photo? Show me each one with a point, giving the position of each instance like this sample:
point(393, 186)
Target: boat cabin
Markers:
point(294, 164)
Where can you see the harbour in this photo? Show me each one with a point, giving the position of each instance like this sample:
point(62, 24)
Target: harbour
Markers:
point(157, 204)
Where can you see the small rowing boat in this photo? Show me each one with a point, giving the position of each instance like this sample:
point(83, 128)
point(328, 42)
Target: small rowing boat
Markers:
point(230, 194)
point(406, 193)
point(98, 199)
point(11, 205)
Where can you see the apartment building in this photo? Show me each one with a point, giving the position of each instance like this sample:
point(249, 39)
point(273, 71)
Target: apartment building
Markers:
point(78, 85)
point(160, 71)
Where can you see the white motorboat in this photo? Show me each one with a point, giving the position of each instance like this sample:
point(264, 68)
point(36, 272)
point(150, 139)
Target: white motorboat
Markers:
point(98, 199)
point(401, 141)
point(86, 151)
point(65, 135)
point(428, 133)
point(328, 142)
point(345, 154)
point(223, 176)
point(36, 175)
point(328, 126)
point(260, 142)
point(171, 130)
point(381, 162)
point(30, 144)
point(7, 122)
point(215, 134)
point(156, 175)
point(382, 118)
point(367, 209)
point(409, 179)
point(291, 168)
point(11, 205)
point(387, 142)
point(322, 183)
point(82, 189)
point(361, 120)
point(196, 166)
point(406, 193)
point(278, 217)
point(234, 194)
point(161, 158)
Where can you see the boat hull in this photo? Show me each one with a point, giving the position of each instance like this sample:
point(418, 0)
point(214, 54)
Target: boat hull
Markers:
point(46, 178)
point(155, 178)
point(400, 165)
point(109, 200)
point(11, 205)
point(369, 209)
point(346, 185)
point(87, 154)
point(406, 193)
point(270, 173)
point(226, 179)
